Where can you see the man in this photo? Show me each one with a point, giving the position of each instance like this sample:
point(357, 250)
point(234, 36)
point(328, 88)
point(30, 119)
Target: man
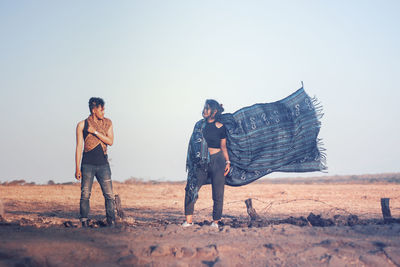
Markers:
point(93, 135)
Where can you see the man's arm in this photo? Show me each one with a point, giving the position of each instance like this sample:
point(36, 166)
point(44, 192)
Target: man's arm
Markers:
point(79, 148)
point(107, 139)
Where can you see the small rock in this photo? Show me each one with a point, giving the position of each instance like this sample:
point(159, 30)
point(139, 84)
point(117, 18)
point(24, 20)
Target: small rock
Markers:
point(316, 220)
point(325, 258)
point(379, 244)
point(160, 250)
point(207, 252)
point(187, 252)
point(129, 220)
point(24, 222)
point(373, 260)
point(340, 220)
point(295, 221)
point(226, 229)
point(336, 261)
point(325, 243)
point(130, 260)
point(352, 220)
point(275, 249)
point(177, 252)
point(205, 223)
point(210, 263)
point(70, 224)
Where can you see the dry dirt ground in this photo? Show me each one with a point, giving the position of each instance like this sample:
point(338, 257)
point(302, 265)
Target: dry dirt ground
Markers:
point(41, 227)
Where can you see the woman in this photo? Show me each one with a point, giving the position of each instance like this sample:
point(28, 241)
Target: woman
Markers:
point(217, 165)
point(281, 136)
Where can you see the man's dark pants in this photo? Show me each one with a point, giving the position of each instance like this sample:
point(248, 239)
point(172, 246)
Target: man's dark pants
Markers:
point(103, 176)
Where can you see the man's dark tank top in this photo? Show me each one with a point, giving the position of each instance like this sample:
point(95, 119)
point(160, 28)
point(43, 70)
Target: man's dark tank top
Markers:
point(213, 135)
point(95, 156)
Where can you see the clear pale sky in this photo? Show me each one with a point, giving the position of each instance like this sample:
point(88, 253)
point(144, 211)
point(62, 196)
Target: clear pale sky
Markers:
point(156, 62)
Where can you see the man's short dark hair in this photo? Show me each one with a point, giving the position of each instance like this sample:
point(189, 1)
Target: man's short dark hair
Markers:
point(95, 102)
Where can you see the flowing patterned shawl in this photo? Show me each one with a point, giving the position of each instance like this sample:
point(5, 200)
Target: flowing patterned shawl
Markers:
point(91, 141)
point(273, 137)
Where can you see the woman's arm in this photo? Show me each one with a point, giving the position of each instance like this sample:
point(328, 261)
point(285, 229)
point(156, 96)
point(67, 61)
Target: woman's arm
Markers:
point(226, 156)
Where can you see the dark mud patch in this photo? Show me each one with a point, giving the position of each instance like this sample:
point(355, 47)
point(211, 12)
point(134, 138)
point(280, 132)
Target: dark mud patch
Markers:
point(311, 220)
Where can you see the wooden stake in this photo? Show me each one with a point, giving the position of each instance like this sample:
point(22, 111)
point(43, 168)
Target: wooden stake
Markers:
point(2, 216)
point(250, 210)
point(386, 209)
point(118, 206)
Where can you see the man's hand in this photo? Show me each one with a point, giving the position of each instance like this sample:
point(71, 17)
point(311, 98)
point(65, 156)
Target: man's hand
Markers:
point(227, 168)
point(91, 129)
point(78, 175)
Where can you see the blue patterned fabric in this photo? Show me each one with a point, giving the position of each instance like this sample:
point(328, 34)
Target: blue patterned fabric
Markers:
point(272, 137)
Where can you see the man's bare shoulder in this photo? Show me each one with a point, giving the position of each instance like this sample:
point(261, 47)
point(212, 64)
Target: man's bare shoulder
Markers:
point(108, 122)
point(80, 124)
point(218, 124)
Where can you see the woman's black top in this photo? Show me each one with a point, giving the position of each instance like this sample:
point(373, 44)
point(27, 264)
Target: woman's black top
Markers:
point(95, 156)
point(213, 135)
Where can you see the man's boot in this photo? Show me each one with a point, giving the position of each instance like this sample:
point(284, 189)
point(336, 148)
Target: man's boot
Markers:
point(110, 222)
point(85, 224)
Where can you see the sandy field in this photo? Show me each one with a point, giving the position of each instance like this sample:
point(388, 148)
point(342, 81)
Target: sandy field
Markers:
point(41, 227)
